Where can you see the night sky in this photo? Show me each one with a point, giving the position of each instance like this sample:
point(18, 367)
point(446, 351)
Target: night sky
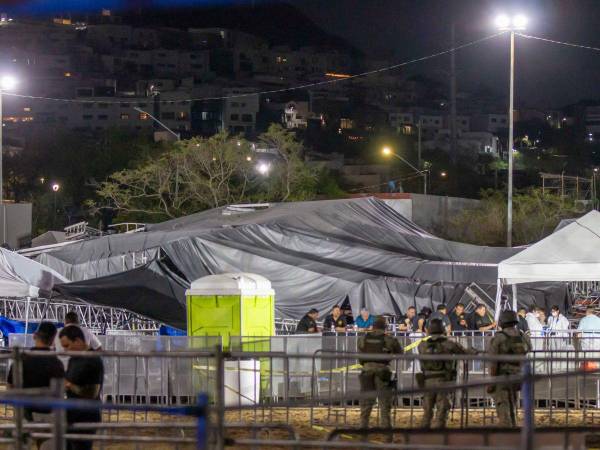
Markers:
point(547, 75)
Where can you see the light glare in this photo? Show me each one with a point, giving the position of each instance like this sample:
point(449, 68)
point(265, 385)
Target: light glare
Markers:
point(503, 21)
point(8, 82)
point(519, 22)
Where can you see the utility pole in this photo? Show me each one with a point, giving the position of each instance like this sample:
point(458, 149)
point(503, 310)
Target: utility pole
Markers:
point(453, 148)
point(511, 108)
point(419, 162)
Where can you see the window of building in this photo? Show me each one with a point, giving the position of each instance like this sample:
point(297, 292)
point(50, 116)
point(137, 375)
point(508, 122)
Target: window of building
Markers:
point(246, 117)
point(182, 115)
point(87, 117)
point(234, 104)
point(169, 115)
point(235, 117)
point(346, 124)
point(197, 66)
point(124, 105)
point(102, 105)
point(142, 105)
point(124, 116)
point(493, 120)
point(102, 117)
point(143, 116)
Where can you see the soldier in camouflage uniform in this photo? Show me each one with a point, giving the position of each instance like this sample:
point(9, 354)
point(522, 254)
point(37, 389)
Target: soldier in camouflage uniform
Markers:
point(376, 375)
point(509, 341)
point(435, 373)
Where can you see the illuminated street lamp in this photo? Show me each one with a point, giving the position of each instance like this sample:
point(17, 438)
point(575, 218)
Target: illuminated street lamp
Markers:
point(511, 24)
point(443, 174)
point(7, 83)
point(387, 151)
point(55, 189)
point(263, 168)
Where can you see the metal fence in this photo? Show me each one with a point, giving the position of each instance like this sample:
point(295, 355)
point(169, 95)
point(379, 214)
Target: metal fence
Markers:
point(296, 386)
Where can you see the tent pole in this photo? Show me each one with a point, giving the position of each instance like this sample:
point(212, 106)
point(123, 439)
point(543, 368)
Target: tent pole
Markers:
point(498, 306)
point(27, 314)
point(514, 296)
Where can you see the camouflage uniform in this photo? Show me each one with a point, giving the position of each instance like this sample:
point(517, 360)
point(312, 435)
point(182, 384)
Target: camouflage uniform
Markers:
point(435, 373)
point(509, 341)
point(377, 376)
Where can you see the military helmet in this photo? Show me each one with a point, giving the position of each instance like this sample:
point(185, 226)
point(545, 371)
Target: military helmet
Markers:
point(436, 326)
point(380, 324)
point(508, 318)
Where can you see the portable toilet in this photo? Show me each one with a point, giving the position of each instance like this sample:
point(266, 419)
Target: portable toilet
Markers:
point(231, 304)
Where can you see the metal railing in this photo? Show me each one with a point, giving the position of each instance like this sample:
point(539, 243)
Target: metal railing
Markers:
point(301, 386)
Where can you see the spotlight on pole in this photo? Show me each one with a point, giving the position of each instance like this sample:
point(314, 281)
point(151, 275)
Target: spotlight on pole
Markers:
point(503, 22)
point(386, 151)
point(55, 187)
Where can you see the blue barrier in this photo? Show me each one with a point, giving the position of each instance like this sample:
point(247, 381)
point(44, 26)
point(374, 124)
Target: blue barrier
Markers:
point(166, 330)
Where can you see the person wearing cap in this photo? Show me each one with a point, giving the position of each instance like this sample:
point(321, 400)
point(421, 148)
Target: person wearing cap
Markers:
point(308, 324)
point(365, 321)
point(437, 372)
point(441, 313)
point(376, 376)
point(508, 341)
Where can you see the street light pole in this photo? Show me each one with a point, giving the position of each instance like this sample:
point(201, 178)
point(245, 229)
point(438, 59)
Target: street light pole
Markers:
point(511, 105)
point(177, 135)
point(423, 173)
point(513, 24)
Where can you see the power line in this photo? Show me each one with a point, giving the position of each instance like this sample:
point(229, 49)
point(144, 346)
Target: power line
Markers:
point(272, 91)
point(552, 41)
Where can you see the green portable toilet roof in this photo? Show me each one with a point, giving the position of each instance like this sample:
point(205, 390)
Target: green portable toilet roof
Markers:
point(231, 284)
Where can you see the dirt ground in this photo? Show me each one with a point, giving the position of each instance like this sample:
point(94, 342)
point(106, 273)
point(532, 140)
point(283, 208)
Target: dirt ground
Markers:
point(324, 421)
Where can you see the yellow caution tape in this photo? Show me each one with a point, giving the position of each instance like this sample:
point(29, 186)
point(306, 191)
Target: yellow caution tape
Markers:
point(408, 348)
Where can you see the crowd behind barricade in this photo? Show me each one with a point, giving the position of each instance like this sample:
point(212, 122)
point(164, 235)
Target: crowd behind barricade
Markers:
point(533, 321)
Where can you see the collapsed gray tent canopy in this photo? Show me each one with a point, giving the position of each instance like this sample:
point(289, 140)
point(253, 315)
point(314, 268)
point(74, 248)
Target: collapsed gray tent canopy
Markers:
point(316, 254)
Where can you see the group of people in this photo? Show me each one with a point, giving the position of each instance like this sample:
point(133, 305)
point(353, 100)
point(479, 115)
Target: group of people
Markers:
point(341, 321)
point(82, 375)
point(376, 376)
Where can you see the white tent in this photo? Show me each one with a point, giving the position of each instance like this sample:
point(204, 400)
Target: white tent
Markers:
point(570, 254)
point(22, 277)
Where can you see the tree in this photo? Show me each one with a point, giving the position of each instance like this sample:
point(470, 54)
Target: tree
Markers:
point(534, 217)
point(199, 173)
point(293, 179)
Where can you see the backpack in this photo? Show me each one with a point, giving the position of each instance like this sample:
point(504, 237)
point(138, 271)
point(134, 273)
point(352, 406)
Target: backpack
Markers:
point(436, 347)
point(512, 345)
point(374, 343)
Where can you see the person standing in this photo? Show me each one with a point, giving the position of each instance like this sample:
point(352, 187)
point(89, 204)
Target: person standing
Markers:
point(335, 322)
point(458, 320)
point(410, 322)
point(376, 375)
point(39, 370)
point(589, 330)
point(308, 324)
point(509, 341)
point(71, 319)
point(556, 321)
point(482, 320)
point(365, 321)
point(83, 380)
point(536, 328)
point(436, 372)
point(521, 314)
point(441, 313)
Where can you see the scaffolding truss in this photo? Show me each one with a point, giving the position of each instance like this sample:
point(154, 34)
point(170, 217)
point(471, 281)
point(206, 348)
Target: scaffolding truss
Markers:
point(100, 319)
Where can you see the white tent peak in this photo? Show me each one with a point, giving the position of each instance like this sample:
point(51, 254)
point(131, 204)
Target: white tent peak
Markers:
point(570, 254)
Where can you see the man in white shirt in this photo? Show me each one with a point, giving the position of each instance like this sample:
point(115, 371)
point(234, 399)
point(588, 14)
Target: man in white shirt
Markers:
point(557, 323)
point(71, 320)
point(535, 327)
point(589, 328)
